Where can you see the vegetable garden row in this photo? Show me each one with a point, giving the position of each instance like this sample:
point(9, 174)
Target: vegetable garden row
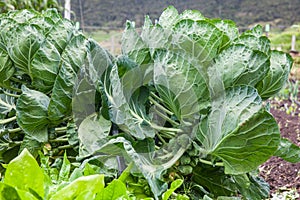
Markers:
point(180, 114)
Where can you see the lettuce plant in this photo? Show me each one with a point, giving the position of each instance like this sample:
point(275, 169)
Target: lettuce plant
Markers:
point(26, 180)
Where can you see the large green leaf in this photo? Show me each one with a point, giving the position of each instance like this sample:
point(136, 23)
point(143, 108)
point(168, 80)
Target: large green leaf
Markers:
point(120, 111)
point(7, 104)
point(288, 151)
point(214, 179)
point(44, 23)
point(20, 172)
point(229, 30)
point(86, 98)
point(239, 131)
point(152, 169)
point(281, 63)
point(200, 40)
point(181, 86)
point(44, 67)
point(8, 192)
point(238, 64)
point(60, 34)
point(32, 114)
point(115, 190)
point(73, 58)
point(99, 60)
point(155, 36)
point(169, 17)
point(92, 132)
point(22, 44)
point(6, 68)
point(255, 40)
point(133, 46)
point(86, 186)
point(252, 187)
point(250, 145)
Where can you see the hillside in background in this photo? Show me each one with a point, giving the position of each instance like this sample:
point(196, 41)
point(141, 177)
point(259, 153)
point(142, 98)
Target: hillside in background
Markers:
point(114, 13)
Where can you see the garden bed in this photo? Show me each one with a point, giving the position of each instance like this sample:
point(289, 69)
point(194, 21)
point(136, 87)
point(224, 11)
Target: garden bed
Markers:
point(278, 173)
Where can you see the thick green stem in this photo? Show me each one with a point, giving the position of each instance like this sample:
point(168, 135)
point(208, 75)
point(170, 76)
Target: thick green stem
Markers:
point(59, 140)
point(10, 94)
point(218, 164)
point(13, 89)
point(65, 147)
point(18, 143)
point(168, 134)
point(160, 106)
point(161, 128)
point(61, 129)
point(17, 80)
point(6, 121)
point(166, 118)
point(7, 105)
point(161, 138)
point(156, 127)
point(15, 130)
point(156, 97)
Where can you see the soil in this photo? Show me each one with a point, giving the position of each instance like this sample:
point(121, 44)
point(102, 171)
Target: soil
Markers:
point(278, 173)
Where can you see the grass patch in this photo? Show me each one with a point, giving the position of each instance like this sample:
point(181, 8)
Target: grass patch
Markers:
point(283, 40)
point(101, 35)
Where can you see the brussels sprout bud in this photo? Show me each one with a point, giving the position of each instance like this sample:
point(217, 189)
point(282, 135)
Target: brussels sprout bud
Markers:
point(185, 169)
point(185, 160)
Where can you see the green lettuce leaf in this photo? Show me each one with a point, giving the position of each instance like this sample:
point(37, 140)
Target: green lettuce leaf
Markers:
point(115, 190)
point(20, 172)
point(8, 192)
point(174, 185)
point(85, 187)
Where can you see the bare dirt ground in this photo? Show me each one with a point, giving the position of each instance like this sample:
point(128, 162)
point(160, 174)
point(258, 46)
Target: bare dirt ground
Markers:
point(277, 172)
